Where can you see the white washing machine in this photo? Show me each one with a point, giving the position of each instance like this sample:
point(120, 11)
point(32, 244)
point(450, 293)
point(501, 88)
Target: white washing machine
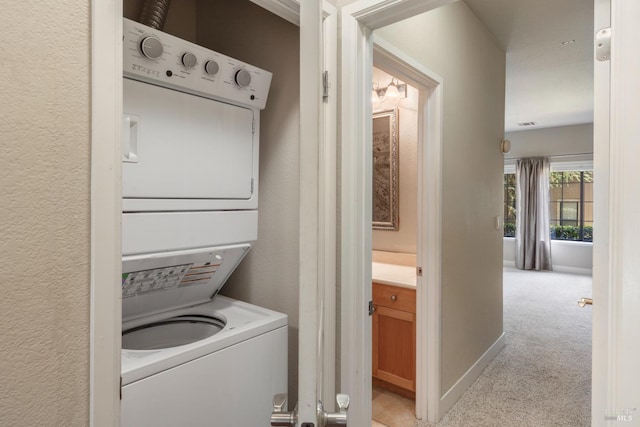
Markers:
point(190, 180)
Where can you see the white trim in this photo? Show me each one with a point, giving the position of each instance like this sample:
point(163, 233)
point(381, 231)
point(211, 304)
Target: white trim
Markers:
point(457, 390)
point(601, 131)
point(624, 271)
point(106, 199)
point(572, 270)
point(328, 213)
point(358, 21)
point(507, 263)
point(288, 10)
point(395, 62)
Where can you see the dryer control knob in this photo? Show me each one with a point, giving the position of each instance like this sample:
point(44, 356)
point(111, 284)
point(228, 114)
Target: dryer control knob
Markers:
point(189, 60)
point(243, 78)
point(151, 47)
point(211, 67)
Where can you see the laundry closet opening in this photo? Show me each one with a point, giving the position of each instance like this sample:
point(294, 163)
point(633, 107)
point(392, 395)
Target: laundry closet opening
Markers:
point(268, 275)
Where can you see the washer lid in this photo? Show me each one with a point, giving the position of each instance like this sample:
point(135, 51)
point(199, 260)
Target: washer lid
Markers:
point(158, 282)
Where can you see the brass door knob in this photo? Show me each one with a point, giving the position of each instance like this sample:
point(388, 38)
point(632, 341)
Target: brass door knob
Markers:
point(585, 301)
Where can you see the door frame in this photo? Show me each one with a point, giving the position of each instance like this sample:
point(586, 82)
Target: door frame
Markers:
point(358, 20)
point(429, 200)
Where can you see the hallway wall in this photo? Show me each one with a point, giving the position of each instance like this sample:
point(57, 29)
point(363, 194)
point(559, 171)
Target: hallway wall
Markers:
point(45, 211)
point(457, 46)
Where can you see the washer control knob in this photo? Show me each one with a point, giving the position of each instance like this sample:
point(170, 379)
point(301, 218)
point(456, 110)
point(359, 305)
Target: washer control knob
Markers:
point(189, 60)
point(211, 67)
point(151, 47)
point(243, 78)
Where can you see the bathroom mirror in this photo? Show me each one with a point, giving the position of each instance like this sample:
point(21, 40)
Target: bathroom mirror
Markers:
point(385, 170)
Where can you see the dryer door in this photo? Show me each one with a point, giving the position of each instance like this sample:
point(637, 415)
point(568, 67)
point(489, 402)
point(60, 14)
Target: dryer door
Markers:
point(181, 146)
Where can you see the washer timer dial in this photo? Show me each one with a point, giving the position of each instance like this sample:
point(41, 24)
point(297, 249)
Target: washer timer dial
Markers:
point(242, 78)
point(211, 67)
point(151, 47)
point(189, 60)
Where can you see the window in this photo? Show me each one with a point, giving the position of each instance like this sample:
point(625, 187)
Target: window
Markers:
point(570, 205)
point(509, 205)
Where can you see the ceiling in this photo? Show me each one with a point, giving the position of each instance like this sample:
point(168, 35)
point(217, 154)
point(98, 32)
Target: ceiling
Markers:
point(548, 82)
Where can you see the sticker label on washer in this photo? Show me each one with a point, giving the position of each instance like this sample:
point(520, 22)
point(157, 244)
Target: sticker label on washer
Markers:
point(157, 279)
point(200, 274)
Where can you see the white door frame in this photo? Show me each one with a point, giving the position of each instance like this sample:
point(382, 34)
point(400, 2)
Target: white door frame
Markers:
point(618, 346)
point(359, 19)
point(106, 211)
point(430, 86)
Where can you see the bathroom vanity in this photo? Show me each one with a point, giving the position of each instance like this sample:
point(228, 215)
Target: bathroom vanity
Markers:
point(394, 327)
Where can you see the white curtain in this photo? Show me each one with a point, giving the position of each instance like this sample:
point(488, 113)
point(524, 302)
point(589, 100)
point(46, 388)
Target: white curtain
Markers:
point(533, 236)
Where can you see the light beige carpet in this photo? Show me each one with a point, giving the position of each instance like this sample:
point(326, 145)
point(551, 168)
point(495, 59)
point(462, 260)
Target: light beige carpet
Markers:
point(543, 376)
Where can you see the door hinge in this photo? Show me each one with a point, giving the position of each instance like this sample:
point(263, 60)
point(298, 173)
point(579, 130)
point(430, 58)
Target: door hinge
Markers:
point(372, 308)
point(253, 126)
point(120, 387)
point(419, 271)
point(325, 85)
point(252, 182)
point(603, 45)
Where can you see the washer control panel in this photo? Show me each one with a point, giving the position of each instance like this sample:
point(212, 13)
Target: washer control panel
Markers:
point(160, 58)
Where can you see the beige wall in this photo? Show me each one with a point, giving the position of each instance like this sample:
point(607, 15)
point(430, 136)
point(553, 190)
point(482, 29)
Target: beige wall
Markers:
point(577, 139)
point(269, 275)
point(44, 179)
point(404, 239)
point(455, 45)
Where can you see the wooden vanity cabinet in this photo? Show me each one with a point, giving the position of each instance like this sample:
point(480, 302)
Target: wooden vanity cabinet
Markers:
point(394, 336)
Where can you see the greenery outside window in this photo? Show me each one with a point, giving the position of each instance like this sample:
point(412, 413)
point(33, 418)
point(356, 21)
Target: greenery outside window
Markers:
point(570, 205)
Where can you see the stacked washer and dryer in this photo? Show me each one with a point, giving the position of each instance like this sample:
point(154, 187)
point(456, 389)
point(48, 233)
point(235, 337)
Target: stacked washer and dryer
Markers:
point(190, 196)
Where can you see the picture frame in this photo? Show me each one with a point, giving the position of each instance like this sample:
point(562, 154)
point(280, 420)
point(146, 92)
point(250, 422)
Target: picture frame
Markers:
point(385, 147)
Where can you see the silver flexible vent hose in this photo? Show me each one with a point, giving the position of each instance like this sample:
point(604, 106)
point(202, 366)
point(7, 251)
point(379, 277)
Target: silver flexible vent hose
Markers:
point(154, 13)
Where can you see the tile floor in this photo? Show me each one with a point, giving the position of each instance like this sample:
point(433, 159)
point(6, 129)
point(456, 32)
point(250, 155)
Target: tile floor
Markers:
point(391, 410)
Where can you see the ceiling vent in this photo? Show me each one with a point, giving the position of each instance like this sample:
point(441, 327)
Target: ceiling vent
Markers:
point(524, 124)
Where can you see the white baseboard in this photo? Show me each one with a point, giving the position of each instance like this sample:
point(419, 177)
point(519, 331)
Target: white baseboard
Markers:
point(457, 390)
point(556, 268)
point(573, 270)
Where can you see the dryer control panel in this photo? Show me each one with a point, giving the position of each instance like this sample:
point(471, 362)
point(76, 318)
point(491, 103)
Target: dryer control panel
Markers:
point(162, 59)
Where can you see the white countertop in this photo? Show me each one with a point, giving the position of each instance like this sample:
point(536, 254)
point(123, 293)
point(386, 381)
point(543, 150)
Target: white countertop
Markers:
point(394, 275)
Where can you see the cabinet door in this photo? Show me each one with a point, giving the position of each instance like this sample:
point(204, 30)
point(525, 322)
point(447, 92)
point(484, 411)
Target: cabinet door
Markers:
point(394, 351)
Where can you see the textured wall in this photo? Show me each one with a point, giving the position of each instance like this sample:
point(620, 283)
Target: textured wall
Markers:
point(405, 238)
point(454, 44)
point(44, 185)
point(269, 275)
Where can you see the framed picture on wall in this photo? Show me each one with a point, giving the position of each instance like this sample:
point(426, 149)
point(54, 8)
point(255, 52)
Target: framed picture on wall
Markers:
point(385, 170)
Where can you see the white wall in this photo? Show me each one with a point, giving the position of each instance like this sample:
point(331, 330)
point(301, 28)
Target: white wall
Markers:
point(404, 239)
point(453, 43)
point(45, 213)
point(269, 275)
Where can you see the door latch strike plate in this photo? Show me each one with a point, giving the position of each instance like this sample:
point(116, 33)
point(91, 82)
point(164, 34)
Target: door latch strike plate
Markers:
point(603, 45)
point(308, 425)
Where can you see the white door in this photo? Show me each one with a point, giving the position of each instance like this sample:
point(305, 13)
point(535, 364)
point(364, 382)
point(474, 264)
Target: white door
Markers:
point(316, 335)
point(616, 293)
